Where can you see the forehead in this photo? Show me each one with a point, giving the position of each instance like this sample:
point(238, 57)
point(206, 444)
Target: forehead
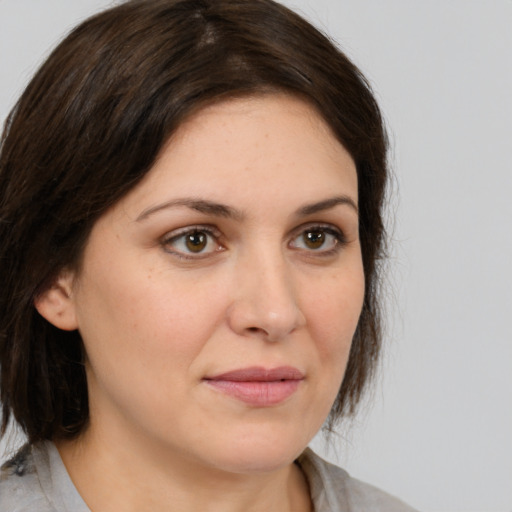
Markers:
point(253, 120)
point(248, 133)
point(274, 149)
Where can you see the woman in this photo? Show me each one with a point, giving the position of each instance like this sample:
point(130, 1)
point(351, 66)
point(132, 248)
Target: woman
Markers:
point(191, 196)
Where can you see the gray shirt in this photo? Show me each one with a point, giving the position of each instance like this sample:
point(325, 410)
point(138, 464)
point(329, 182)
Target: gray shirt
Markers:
point(35, 480)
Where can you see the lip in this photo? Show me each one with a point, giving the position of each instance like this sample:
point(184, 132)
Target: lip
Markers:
point(258, 386)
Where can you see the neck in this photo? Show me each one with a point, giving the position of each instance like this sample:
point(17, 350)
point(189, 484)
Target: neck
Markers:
point(110, 477)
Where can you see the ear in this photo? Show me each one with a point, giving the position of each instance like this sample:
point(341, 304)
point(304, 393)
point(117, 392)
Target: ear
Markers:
point(56, 304)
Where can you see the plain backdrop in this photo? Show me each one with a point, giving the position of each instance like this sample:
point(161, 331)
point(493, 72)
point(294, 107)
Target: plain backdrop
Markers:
point(438, 430)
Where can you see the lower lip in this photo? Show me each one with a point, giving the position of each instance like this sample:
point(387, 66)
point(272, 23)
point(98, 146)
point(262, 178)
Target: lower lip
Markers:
point(256, 393)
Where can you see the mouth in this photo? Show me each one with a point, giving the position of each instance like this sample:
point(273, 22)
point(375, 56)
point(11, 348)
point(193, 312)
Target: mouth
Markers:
point(257, 386)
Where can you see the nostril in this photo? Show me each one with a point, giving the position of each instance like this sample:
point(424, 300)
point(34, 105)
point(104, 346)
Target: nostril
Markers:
point(257, 331)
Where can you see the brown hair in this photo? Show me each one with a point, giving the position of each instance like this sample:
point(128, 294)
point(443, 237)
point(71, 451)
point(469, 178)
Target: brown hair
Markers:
point(89, 127)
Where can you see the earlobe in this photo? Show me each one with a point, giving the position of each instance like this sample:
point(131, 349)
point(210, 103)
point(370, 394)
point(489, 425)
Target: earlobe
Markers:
point(56, 303)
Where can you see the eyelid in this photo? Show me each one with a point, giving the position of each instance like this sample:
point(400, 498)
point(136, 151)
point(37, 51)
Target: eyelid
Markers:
point(326, 226)
point(208, 228)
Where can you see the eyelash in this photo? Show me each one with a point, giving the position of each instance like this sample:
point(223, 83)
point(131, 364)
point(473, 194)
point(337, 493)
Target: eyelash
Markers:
point(214, 234)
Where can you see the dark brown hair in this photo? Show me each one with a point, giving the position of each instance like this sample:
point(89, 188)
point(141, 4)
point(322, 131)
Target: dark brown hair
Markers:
point(89, 127)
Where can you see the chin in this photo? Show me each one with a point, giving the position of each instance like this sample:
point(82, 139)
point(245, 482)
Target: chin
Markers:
point(260, 453)
point(255, 463)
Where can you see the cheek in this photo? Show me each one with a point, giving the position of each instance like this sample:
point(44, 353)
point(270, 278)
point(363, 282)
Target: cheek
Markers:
point(142, 336)
point(146, 319)
point(334, 315)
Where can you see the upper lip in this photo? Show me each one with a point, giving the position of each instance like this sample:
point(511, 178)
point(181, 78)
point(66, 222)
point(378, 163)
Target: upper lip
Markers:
point(260, 374)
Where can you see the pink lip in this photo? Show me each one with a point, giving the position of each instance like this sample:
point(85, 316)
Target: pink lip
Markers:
point(258, 386)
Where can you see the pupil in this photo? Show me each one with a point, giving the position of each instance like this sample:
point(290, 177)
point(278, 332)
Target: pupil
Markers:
point(196, 242)
point(314, 239)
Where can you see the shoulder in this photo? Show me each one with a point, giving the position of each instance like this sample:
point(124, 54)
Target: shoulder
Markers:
point(333, 489)
point(20, 487)
point(367, 497)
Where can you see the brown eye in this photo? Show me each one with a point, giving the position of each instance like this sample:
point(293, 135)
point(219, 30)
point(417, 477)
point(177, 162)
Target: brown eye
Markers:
point(193, 242)
point(313, 239)
point(322, 240)
point(196, 241)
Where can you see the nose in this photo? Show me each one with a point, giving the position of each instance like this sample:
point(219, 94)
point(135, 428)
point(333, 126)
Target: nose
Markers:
point(265, 301)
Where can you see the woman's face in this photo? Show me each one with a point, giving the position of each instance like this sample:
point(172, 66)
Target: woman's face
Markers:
point(218, 299)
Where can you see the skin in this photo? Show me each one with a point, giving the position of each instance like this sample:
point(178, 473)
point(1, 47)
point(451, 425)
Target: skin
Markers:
point(157, 318)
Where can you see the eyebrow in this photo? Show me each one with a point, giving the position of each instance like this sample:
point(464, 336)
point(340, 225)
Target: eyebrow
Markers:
point(327, 204)
point(200, 205)
point(222, 210)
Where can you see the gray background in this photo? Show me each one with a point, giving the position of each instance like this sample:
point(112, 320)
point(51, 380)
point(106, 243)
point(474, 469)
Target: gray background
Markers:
point(438, 431)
